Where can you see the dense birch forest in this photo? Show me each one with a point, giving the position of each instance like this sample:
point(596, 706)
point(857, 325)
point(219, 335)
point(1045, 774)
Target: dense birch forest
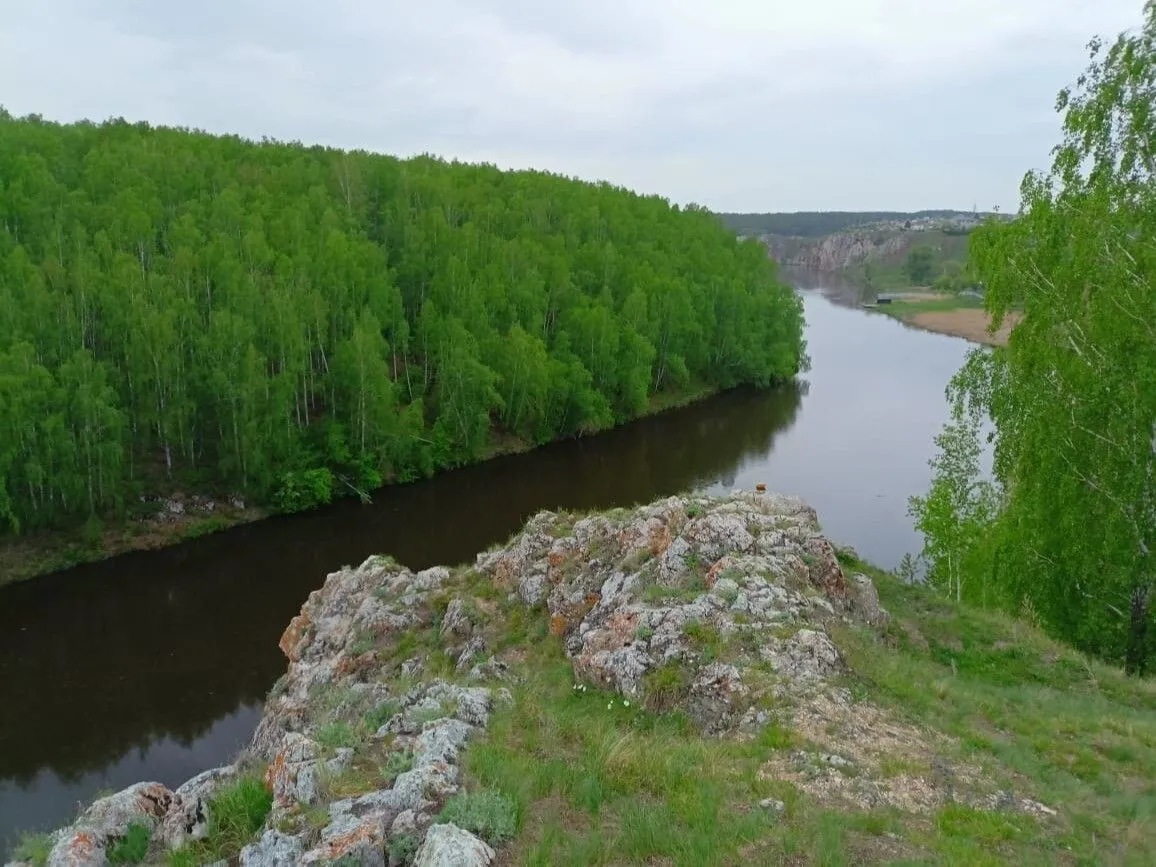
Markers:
point(291, 322)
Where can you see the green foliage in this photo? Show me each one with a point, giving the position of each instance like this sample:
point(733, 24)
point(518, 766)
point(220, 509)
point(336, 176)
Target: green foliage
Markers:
point(489, 814)
point(956, 515)
point(1073, 397)
point(666, 686)
point(920, 261)
point(304, 489)
point(33, 849)
point(133, 846)
point(301, 323)
point(236, 814)
point(403, 848)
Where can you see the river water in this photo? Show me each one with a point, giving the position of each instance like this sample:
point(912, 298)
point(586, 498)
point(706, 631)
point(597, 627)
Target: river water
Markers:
point(154, 665)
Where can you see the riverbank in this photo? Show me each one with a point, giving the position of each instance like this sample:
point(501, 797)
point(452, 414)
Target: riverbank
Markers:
point(954, 315)
point(42, 553)
point(824, 706)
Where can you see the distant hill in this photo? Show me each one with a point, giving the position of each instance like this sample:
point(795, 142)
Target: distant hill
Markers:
point(815, 224)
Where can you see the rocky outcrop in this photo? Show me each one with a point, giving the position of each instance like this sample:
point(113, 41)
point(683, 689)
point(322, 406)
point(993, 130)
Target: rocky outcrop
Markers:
point(838, 251)
point(715, 606)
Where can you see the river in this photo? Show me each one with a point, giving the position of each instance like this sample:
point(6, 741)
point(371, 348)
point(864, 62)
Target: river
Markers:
point(154, 665)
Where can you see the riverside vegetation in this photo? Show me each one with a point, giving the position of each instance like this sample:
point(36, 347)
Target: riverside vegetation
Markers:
point(1064, 527)
point(180, 311)
point(696, 681)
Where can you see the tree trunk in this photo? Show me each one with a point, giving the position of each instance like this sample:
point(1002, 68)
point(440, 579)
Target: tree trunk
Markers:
point(1136, 655)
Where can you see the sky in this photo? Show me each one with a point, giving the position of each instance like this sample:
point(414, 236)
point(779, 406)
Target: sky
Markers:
point(738, 105)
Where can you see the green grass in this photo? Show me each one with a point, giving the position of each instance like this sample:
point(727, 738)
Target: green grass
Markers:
point(336, 734)
point(900, 308)
point(132, 847)
point(596, 786)
point(1055, 726)
point(236, 816)
point(594, 781)
point(489, 814)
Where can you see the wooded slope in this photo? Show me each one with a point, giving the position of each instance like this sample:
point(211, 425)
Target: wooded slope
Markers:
point(273, 318)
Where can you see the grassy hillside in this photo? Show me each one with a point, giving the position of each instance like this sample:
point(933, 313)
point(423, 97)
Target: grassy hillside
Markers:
point(887, 272)
point(948, 691)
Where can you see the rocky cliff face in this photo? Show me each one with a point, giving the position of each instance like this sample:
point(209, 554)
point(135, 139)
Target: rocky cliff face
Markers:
point(834, 252)
point(721, 608)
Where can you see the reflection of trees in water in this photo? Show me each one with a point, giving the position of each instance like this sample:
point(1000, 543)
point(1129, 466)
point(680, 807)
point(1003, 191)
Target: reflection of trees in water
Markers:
point(114, 656)
point(834, 286)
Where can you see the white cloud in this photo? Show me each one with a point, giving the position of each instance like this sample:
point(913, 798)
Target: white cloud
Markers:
point(738, 104)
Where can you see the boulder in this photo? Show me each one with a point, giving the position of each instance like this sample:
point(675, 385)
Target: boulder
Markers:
point(274, 849)
point(450, 846)
point(86, 841)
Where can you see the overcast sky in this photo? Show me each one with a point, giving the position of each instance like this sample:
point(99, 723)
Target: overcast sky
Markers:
point(748, 105)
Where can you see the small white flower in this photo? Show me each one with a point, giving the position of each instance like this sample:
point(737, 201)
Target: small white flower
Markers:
point(625, 702)
point(609, 706)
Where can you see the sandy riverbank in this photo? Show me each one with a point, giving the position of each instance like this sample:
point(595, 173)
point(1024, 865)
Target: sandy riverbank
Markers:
point(968, 323)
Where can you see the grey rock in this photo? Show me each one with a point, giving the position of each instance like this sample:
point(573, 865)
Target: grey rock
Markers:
point(456, 622)
point(773, 804)
point(865, 601)
point(474, 648)
point(189, 815)
point(534, 587)
point(835, 761)
point(274, 849)
point(107, 820)
point(405, 823)
point(441, 742)
point(715, 696)
point(808, 655)
point(450, 846)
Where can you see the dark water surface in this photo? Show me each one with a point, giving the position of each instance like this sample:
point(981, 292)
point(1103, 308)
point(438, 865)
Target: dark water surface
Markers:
point(153, 665)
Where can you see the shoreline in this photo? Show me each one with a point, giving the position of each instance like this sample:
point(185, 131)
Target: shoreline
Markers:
point(24, 558)
point(950, 315)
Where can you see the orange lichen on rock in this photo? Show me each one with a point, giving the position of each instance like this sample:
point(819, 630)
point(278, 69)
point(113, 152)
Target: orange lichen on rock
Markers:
point(292, 637)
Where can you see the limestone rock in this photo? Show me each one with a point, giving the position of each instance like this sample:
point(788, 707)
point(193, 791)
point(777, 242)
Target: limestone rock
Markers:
point(86, 841)
point(188, 815)
point(450, 846)
point(807, 655)
point(865, 601)
point(274, 849)
point(292, 774)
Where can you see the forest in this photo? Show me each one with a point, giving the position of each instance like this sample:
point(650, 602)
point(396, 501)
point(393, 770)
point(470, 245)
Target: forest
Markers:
point(294, 323)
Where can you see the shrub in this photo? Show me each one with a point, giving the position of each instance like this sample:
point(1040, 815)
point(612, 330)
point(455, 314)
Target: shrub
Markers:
point(33, 849)
point(403, 848)
point(488, 813)
point(396, 765)
point(381, 714)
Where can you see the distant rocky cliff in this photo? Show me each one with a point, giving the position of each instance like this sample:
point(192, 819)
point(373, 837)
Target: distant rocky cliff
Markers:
point(836, 252)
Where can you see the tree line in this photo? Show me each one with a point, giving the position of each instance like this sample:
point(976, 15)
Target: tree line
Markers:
point(1064, 532)
point(293, 322)
point(815, 224)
